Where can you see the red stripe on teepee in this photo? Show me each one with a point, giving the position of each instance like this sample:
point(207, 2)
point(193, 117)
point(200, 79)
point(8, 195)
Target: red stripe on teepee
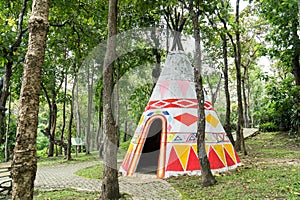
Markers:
point(174, 163)
point(237, 157)
point(214, 160)
point(193, 162)
point(229, 160)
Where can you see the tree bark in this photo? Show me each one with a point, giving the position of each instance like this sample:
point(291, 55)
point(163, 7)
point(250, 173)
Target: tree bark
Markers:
point(78, 116)
point(226, 87)
point(239, 131)
point(6, 153)
point(69, 145)
point(24, 163)
point(110, 182)
point(64, 109)
point(90, 75)
point(207, 178)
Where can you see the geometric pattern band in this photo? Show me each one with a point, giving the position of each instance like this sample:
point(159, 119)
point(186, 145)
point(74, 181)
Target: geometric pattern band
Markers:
point(177, 103)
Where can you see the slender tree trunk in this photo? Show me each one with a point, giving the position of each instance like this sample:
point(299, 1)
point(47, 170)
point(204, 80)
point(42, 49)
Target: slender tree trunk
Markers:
point(118, 102)
point(24, 163)
point(239, 132)
point(226, 88)
point(110, 182)
point(207, 178)
point(6, 154)
point(53, 128)
point(246, 122)
point(90, 75)
point(69, 146)
point(64, 110)
point(99, 126)
point(78, 118)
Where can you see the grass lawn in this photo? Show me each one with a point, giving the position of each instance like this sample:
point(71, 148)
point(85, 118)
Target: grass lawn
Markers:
point(270, 171)
point(67, 194)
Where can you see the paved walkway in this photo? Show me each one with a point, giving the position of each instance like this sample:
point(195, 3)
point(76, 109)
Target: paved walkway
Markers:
point(248, 132)
point(141, 186)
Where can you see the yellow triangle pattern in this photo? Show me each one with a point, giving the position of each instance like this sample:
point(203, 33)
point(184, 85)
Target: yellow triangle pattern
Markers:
point(230, 150)
point(219, 150)
point(212, 120)
point(194, 146)
point(182, 153)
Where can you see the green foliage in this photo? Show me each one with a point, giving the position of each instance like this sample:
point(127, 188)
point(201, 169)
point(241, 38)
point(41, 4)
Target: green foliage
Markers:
point(125, 145)
point(138, 101)
point(279, 107)
point(268, 127)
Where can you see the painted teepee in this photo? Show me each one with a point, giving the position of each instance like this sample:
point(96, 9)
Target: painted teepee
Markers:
point(165, 139)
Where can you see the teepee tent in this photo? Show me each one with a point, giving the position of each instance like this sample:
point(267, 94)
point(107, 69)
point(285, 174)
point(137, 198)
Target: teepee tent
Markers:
point(165, 139)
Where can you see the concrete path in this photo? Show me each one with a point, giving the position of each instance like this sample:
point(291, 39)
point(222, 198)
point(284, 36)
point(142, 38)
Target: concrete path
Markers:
point(141, 186)
point(248, 132)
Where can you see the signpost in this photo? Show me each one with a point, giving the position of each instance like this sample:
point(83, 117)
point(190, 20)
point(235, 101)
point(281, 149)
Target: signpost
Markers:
point(77, 142)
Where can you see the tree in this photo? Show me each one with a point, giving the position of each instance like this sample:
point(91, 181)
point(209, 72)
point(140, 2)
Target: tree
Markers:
point(24, 164)
point(11, 40)
point(110, 183)
point(207, 177)
point(284, 37)
point(237, 61)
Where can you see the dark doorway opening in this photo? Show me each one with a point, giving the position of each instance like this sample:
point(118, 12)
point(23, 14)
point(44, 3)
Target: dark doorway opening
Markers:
point(148, 162)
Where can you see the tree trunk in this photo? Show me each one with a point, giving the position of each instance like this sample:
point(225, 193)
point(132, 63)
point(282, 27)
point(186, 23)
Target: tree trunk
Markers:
point(53, 128)
point(78, 118)
point(99, 126)
point(226, 88)
point(118, 102)
point(64, 110)
point(110, 182)
point(6, 154)
point(207, 178)
point(69, 146)
point(239, 132)
point(24, 163)
point(90, 76)
point(246, 112)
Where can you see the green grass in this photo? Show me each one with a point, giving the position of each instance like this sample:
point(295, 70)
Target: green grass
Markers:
point(67, 194)
point(270, 171)
point(56, 160)
point(82, 157)
point(91, 172)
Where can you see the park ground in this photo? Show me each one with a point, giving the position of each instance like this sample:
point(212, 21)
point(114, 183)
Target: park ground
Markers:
point(271, 170)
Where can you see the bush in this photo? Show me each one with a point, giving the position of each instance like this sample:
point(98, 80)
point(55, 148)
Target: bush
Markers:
point(125, 145)
point(268, 127)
